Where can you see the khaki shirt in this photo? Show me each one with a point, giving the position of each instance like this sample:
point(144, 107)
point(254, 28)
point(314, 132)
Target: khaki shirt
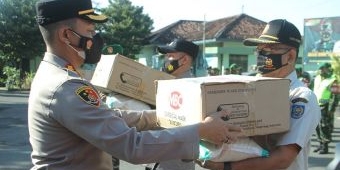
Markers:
point(71, 128)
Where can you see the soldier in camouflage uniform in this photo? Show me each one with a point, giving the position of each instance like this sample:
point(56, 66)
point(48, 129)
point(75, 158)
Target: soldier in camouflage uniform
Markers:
point(328, 101)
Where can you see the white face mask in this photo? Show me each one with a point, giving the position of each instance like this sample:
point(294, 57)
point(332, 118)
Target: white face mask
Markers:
point(80, 53)
point(91, 48)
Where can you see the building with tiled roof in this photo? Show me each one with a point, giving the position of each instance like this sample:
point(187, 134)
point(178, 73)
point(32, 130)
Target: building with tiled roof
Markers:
point(235, 27)
point(220, 42)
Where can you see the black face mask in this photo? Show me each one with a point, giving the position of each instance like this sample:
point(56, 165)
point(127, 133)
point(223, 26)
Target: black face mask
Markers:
point(171, 65)
point(91, 46)
point(270, 62)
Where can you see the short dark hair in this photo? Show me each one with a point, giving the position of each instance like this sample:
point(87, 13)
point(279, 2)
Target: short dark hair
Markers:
point(48, 31)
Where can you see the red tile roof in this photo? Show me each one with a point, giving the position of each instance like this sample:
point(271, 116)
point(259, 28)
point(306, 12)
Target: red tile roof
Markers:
point(236, 27)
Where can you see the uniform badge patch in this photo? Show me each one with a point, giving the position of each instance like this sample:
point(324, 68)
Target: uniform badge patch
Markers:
point(88, 95)
point(297, 111)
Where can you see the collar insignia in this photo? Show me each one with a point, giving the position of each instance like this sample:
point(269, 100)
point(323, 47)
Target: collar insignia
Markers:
point(70, 67)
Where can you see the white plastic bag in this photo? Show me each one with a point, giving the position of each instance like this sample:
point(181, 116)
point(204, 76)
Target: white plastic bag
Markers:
point(243, 148)
point(120, 101)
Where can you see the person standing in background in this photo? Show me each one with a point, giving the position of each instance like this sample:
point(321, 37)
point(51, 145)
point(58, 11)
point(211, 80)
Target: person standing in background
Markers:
point(179, 58)
point(226, 71)
point(235, 69)
point(328, 101)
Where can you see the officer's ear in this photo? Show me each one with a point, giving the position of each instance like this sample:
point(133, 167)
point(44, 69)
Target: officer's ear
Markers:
point(291, 56)
point(187, 59)
point(63, 35)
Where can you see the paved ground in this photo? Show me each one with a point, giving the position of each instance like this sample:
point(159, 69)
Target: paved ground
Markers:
point(14, 146)
point(15, 149)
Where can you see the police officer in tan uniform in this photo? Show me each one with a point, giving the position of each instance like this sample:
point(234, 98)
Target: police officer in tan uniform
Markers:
point(71, 128)
point(179, 57)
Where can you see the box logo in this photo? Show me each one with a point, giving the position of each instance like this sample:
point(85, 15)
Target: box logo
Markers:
point(237, 110)
point(130, 79)
point(176, 100)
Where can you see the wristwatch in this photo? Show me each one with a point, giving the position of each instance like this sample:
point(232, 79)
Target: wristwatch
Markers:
point(227, 166)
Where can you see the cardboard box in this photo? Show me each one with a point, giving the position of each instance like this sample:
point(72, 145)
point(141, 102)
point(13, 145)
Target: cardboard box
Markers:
point(126, 76)
point(259, 105)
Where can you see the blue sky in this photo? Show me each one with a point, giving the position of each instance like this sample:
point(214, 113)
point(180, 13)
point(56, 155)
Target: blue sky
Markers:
point(165, 12)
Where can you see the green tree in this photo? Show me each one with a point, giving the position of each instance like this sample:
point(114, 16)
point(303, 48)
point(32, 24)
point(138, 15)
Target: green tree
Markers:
point(127, 26)
point(20, 39)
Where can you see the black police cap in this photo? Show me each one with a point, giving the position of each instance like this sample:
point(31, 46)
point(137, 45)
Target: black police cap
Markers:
point(179, 45)
point(275, 32)
point(51, 11)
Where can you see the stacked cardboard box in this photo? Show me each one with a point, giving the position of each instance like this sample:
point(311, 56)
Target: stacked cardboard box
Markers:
point(259, 105)
point(126, 76)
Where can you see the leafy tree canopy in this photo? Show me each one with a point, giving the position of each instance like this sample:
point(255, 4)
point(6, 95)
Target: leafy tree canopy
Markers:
point(127, 26)
point(19, 33)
